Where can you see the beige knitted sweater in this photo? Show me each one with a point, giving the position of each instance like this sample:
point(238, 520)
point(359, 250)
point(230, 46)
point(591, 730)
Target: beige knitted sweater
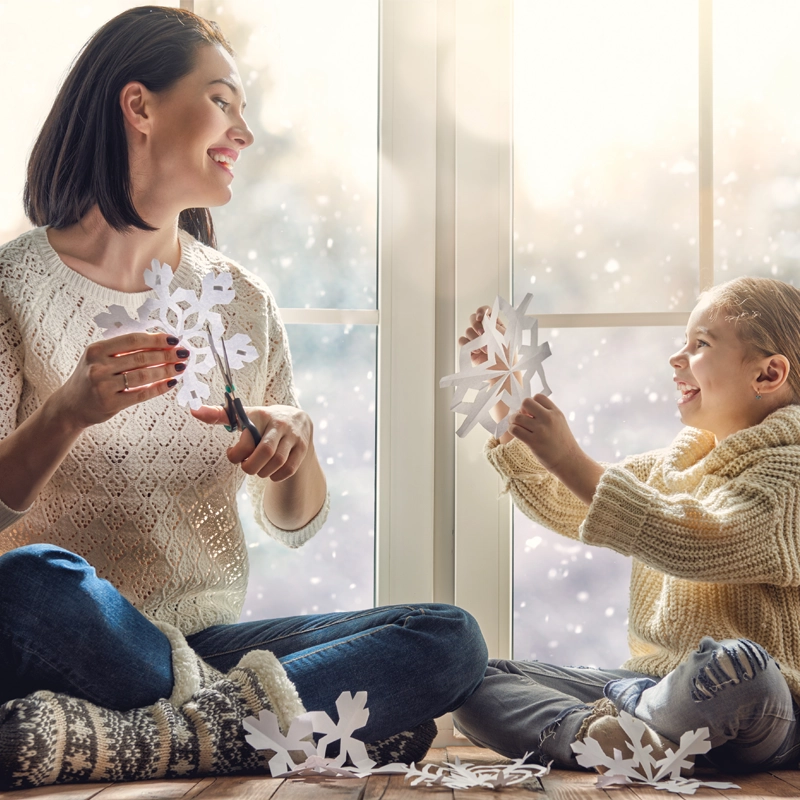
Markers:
point(714, 533)
point(149, 497)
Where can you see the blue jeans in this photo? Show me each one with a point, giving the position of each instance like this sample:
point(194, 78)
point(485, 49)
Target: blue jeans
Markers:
point(64, 629)
point(732, 687)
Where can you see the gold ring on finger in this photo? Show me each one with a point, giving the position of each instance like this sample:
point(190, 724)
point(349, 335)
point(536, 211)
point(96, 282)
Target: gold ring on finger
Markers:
point(125, 379)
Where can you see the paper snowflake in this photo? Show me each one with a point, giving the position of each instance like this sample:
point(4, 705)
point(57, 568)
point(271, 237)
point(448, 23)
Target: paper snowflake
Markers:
point(664, 773)
point(514, 355)
point(185, 315)
point(265, 734)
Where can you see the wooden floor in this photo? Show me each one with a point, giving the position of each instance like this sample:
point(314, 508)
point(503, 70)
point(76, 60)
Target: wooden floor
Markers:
point(558, 784)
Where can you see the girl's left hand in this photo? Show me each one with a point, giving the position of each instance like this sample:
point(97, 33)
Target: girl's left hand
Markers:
point(286, 437)
point(542, 426)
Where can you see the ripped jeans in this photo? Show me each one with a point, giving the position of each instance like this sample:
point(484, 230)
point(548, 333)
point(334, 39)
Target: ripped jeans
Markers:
point(733, 687)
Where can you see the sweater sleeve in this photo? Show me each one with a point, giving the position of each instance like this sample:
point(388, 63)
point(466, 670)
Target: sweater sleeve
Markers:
point(280, 391)
point(737, 533)
point(11, 373)
point(534, 490)
point(540, 495)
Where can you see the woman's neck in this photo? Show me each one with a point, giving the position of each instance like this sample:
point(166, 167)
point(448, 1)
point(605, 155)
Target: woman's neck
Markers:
point(112, 259)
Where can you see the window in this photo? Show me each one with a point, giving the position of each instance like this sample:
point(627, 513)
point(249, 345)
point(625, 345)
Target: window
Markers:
point(415, 159)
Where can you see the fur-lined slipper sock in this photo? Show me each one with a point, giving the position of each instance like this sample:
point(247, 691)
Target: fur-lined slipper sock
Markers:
point(407, 747)
point(603, 726)
point(49, 738)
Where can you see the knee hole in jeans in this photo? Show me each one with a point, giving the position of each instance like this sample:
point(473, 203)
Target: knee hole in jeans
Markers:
point(731, 663)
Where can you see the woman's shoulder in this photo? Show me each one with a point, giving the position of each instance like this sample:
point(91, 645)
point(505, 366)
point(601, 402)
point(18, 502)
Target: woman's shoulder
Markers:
point(205, 259)
point(22, 263)
point(23, 248)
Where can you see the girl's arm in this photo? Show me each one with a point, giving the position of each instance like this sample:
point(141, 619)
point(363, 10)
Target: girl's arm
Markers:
point(744, 531)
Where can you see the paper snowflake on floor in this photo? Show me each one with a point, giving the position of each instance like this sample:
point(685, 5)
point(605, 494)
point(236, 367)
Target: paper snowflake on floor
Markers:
point(185, 315)
point(664, 773)
point(263, 733)
point(514, 355)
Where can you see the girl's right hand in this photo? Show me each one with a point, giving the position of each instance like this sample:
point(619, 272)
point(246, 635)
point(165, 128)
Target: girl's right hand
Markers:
point(117, 373)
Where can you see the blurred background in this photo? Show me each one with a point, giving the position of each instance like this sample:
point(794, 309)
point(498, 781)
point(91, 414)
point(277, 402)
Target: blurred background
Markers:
point(605, 153)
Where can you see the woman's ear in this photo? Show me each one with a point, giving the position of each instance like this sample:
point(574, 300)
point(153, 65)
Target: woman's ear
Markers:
point(135, 100)
point(774, 374)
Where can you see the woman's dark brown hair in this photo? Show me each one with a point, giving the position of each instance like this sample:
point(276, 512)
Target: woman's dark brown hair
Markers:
point(81, 156)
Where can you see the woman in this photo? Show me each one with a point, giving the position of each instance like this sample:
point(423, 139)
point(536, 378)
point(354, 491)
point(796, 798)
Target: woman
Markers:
point(101, 470)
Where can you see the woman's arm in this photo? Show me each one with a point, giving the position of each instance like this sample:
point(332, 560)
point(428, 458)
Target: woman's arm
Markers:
point(95, 392)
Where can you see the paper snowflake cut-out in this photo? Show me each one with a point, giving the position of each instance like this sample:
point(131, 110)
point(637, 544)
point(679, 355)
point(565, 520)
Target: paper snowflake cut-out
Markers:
point(513, 357)
point(185, 315)
point(663, 773)
point(265, 734)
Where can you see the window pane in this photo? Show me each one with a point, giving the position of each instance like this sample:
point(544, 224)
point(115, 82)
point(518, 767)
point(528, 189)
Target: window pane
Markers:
point(304, 212)
point(334, 369)
point(38, 55)
point(756, 139)
point(570, 600)
point(605, 154)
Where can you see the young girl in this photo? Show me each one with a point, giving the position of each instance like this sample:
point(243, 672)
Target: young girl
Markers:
point(122, 559)
point(712, 523)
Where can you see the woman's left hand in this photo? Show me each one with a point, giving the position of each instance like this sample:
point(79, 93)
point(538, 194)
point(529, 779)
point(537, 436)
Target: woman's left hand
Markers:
point(286, 437)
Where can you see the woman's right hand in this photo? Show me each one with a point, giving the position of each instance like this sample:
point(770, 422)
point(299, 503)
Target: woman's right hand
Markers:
point(117, 373)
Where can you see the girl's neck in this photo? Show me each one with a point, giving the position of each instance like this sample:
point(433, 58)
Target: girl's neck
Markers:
point(112, 259)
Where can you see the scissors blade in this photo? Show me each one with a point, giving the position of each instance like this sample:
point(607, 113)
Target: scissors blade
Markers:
point(227, 366)
point(225, 374)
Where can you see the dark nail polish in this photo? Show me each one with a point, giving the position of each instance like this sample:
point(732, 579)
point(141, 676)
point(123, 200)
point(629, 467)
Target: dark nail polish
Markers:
point(180, 367)
point(183, 353)
point(172, 382)
point(172, 340)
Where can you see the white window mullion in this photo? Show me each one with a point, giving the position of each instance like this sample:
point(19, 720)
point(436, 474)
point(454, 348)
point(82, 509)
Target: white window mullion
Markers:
point(407, 284)
point(483, 563)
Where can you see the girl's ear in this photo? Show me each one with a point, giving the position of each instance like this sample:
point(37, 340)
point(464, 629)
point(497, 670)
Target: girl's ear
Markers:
point(773, 375)
point(135, 100)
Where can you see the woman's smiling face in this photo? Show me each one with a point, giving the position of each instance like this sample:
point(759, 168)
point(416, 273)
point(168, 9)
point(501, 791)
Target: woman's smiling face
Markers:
point(715, 376)
point(197, 133)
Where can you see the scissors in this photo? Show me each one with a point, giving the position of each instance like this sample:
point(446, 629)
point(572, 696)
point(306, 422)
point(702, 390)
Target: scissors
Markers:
point(237, 417)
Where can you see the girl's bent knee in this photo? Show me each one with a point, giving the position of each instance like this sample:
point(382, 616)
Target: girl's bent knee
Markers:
point(736, 663)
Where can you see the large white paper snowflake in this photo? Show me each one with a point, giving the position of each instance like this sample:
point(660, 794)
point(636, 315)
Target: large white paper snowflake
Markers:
point(185, 315)
point(664, 773)
point(513, 357)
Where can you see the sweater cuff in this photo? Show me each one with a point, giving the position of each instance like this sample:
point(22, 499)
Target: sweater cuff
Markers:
point(513, 459)
point(8, 516)
point(299, 537)
point(618, 511)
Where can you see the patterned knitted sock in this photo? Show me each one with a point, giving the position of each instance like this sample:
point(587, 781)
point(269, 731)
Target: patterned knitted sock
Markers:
point(49, 738)
point(406, 747)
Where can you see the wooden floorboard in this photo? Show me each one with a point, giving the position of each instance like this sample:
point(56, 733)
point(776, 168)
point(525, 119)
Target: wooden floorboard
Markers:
point(558, 785)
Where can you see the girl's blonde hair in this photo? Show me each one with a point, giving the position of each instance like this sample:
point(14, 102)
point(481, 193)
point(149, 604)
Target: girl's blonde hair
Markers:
point(766, 315)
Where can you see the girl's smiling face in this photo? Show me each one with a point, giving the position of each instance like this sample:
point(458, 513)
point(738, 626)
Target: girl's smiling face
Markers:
point(717, 377)
point(196, 133)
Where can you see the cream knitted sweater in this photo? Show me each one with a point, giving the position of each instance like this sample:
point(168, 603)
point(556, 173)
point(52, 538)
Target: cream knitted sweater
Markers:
point(149, 497)
point(714, 533)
